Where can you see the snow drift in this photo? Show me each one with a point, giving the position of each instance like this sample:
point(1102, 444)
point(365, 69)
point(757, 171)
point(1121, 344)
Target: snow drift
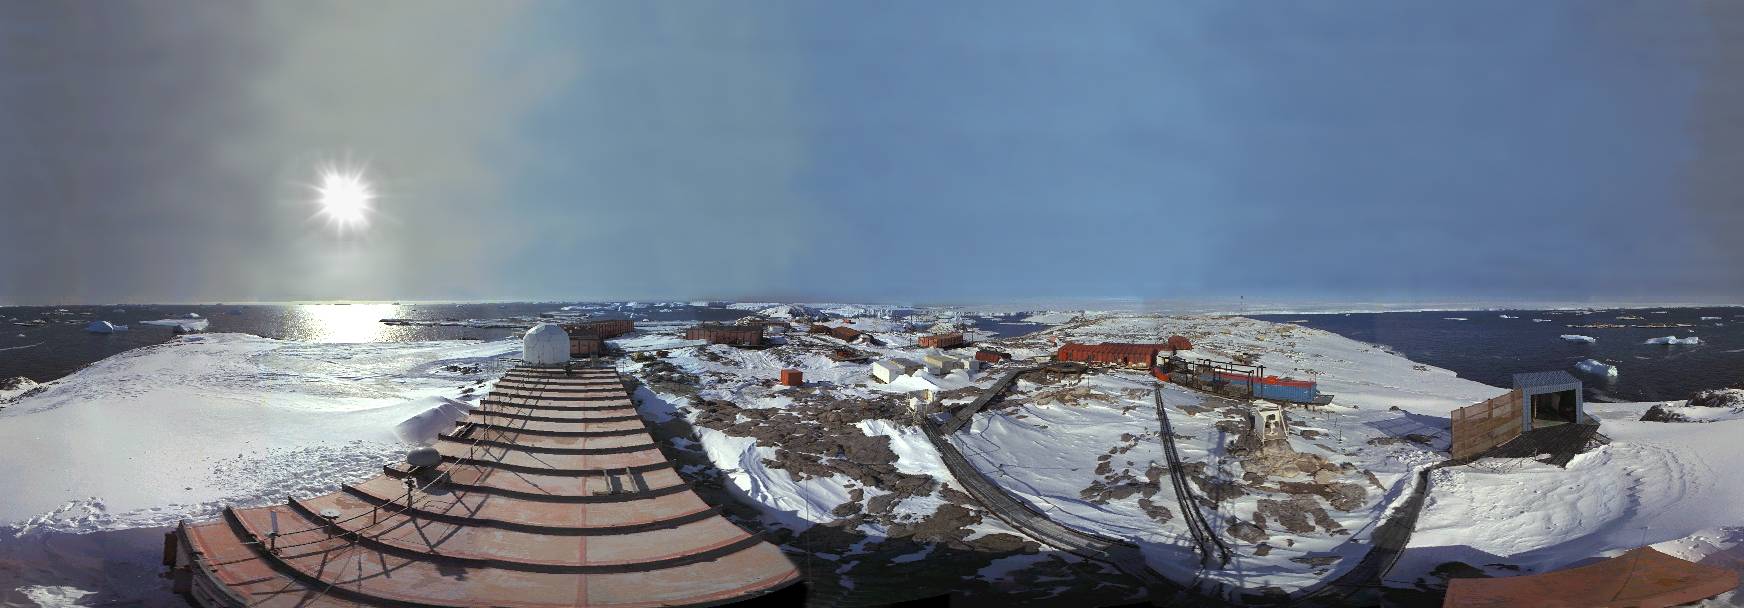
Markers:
point(439, 415)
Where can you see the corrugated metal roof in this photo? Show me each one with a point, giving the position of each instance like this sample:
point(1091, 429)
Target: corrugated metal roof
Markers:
point(1536, 379)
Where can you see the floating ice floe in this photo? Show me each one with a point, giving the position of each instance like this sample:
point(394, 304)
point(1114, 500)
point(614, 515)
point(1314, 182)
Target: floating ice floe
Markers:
point(104, 327)
point(1596, 368)
point(1455, 319)
point(1508, 316)
point(181, 325)
point(1579, 338)
point(1674, 340)
point(1541, 320)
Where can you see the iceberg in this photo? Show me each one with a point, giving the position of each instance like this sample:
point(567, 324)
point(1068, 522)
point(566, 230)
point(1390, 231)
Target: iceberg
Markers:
point(1579, 338)
point(104, 327)
point(1596, 368)
point(1674, 340)
point(181, 325)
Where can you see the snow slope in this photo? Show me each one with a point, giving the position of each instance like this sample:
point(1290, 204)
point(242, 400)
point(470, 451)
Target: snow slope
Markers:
point(161, 433)
point(1673, 486)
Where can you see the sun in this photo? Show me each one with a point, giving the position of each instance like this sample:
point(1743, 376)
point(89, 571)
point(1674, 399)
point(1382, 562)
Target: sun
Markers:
point(345, 197)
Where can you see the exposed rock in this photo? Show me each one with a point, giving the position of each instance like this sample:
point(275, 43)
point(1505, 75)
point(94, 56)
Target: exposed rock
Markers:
point(948, 523)
point(1718, 397)
point(1247, 532)
point(1001, 542)
point(1317, 560)
point(1155, 511)
point(1659, 413)
point(1342, 496)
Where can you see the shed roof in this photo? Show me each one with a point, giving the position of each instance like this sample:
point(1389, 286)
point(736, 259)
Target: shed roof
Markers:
point(1639, 577)
point(1537, 379)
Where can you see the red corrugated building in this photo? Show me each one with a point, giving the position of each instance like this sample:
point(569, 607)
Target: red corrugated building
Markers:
point(792, 377)
point(588, 338)
point(1115, 353)
point(585, 345)
point(727, 334)
point(604, 328)
point(845, 334)
point(991, 356)
point(942, 340)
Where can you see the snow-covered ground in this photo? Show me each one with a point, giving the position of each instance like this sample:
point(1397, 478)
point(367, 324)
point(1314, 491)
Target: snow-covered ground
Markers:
point(162, 433)
point(1674, 486)
point(1086, 452)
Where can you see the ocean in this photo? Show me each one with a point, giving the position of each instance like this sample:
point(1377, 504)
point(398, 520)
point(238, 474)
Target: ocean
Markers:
point(59, 345)
point(1490, 346)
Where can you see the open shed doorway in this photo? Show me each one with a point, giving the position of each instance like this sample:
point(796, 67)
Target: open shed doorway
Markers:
point(1551, 409)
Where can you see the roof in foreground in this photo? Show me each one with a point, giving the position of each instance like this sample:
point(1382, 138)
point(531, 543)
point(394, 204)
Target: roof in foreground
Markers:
point(551, 494)
point(1640, 577)
point(1537, 379)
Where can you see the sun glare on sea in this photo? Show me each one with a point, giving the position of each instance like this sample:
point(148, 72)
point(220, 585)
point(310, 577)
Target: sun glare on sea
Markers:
point(345, 197)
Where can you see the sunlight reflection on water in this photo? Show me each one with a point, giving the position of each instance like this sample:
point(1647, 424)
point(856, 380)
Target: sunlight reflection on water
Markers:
point(346, 323)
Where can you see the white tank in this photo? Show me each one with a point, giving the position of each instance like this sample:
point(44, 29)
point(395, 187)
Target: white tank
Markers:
point(545, 344)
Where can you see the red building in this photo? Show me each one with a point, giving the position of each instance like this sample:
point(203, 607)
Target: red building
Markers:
point(1114, 353)
point(990, 356)
point(942, 340)
point(792, 377)
point(588, 338)
point(739, 335)
point(845, 334)
point(1180, 343)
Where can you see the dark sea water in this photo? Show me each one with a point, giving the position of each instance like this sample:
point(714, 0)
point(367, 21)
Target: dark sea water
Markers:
point(1489, 348)
point(62, 346)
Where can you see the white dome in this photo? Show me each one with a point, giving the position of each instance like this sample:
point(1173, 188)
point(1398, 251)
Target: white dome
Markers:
point(545, 344)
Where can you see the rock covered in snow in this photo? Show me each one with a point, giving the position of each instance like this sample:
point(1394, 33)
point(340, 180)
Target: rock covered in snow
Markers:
point(1719, 397)
point(790, 311)
point(1675, 341)
point(1579, 338)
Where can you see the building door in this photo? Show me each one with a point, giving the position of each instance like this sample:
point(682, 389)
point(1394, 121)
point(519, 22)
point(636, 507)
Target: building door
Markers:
point(1551, 409)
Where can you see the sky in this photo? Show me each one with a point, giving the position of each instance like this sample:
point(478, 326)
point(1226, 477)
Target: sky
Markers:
point(922, 152)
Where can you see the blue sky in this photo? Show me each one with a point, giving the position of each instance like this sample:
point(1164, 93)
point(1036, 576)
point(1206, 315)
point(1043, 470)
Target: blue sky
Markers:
point(907, 151)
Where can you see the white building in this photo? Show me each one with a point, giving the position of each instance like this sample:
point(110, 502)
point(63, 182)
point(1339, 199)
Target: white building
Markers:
point(545, 344)
point(942, 363)
point(889, 370)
